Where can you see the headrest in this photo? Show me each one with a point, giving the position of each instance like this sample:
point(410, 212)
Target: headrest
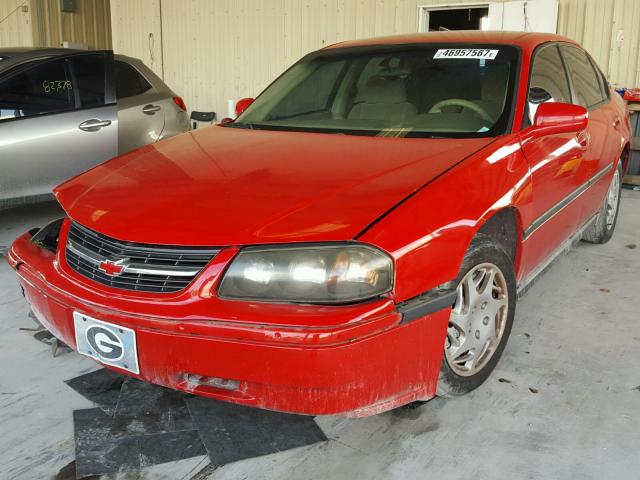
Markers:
point(384, 90)
point(494, 85)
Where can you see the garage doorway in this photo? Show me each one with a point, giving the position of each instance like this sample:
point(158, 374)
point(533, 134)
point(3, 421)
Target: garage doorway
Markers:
point(513, 15)
point(469, 18)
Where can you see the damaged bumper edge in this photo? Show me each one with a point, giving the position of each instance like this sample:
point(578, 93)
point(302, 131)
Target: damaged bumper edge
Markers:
point(360, 367)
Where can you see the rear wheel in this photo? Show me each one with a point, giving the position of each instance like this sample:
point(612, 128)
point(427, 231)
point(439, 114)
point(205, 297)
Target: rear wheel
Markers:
point(602, 228)
point(481, 319)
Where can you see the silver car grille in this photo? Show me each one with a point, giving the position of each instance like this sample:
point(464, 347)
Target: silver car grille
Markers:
point(144, 268)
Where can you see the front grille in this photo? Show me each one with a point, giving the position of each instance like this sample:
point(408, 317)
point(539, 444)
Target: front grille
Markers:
point(145, 268)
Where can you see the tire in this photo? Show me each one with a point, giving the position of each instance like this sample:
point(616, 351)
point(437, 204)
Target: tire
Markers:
point(602, 228)
point(483, 258)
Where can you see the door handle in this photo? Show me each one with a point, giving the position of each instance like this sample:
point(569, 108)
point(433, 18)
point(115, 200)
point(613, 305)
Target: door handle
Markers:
point(150, 109)
point(584, 139)
point(94, 125)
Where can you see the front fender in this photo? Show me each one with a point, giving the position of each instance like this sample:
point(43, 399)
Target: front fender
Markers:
point(429, 232)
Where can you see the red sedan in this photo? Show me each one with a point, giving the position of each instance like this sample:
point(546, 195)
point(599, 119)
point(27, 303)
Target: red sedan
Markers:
point(355, 240)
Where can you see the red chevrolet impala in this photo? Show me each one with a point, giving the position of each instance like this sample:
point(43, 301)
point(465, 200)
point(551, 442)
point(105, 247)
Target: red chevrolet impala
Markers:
point(355, 240)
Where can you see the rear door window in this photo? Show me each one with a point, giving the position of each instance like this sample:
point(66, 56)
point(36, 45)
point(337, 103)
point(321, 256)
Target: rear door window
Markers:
point(604, 84)
point(44, 88)
point(90, 79)
point(129, 82)
point(587, 89)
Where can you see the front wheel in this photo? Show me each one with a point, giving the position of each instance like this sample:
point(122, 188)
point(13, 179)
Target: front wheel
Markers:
point(481, 319)
point(602, 228)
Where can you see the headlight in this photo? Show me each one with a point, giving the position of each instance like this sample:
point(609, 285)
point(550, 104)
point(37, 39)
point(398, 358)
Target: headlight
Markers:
point(315, 274)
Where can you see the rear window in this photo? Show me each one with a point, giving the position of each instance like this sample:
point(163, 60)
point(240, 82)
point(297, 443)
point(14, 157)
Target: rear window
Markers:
point(129, 82)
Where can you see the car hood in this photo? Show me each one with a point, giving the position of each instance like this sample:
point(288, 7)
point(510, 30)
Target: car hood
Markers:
point(227, 186)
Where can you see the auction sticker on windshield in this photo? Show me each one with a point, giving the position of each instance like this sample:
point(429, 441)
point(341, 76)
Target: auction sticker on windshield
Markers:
point(483, 53)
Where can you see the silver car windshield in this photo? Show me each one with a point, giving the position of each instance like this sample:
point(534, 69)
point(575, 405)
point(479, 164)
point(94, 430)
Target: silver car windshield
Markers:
point(439, 90)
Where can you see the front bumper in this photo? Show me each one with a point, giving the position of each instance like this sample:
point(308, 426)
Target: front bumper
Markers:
point(354, 360)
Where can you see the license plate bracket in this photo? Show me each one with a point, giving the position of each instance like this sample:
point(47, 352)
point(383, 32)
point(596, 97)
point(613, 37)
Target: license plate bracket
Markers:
point(106, 342)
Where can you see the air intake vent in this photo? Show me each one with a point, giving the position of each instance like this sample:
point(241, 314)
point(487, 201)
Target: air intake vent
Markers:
point(134, 266)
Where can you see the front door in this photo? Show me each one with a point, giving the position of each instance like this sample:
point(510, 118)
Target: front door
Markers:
point(588, 91)
point(555, 162)
point(57, 118)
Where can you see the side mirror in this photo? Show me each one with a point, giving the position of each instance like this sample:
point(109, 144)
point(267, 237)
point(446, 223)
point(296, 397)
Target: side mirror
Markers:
point(242, 104)
point(552, 118)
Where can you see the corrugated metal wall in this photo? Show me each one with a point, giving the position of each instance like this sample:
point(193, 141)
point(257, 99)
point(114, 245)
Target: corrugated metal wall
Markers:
point(15, 24)
point(90, 23)
point(211, 51)
point(43, 24)
point(235, 48)
point(597, 24)
point(227, 49)
point(136, 30)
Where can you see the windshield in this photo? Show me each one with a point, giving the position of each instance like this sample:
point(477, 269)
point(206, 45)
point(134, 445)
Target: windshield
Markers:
point(436, 90)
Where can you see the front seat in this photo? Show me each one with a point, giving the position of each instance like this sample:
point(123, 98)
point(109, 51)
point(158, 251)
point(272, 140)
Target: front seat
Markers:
point(383, 99)
point(493, 94)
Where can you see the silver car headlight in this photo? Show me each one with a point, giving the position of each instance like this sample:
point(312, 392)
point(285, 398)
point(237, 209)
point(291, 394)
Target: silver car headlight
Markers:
point(325, 274)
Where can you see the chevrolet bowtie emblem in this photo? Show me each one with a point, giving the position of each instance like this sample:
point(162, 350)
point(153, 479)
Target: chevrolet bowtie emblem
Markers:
point(113, 269)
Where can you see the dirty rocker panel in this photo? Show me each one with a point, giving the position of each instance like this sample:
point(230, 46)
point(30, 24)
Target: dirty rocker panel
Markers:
point(542, 219)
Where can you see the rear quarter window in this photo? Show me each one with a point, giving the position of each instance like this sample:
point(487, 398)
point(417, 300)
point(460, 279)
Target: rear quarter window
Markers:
point(129, 82)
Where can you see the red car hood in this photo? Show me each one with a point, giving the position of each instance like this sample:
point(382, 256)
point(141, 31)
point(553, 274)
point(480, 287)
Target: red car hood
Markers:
point(224, 186)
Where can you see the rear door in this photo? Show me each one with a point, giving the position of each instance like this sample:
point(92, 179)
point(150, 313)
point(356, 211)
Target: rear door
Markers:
point(588, 91)
point(58, 118)
point(141, 108)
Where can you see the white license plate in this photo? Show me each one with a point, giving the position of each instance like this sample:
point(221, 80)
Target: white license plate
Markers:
point(106, 342)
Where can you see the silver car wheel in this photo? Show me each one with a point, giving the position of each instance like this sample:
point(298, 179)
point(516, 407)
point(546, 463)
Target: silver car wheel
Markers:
point(477, 320)
point(612, 199)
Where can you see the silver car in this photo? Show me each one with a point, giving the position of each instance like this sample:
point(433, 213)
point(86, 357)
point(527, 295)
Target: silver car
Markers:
point(63, 111)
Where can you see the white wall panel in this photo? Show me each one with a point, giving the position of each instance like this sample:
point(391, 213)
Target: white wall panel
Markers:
point(15, 24)
point(41, 23)
point(136, 30)
point(596, 24)
point(89, 24)
point(214, 50)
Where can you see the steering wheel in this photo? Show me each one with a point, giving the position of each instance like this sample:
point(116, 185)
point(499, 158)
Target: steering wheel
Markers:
point(459, 102)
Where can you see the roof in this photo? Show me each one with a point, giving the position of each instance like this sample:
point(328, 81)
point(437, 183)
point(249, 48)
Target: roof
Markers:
point(15, 55)
point(525, 40)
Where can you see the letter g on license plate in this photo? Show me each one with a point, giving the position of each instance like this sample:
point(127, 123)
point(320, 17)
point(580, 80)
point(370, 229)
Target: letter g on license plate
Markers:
point(106, 342)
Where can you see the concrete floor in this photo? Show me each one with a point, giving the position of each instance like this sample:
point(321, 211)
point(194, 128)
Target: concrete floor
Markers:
point(562, 403)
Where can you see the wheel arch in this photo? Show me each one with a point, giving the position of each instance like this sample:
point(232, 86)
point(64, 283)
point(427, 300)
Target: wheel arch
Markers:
point(626, 157)
point(504, 226)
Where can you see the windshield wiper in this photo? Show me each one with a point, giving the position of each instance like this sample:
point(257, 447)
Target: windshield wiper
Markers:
point(294, 115)
point(239, 125)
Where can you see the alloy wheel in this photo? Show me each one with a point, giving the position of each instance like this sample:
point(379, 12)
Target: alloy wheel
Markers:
point(612, 199)
point(477, 320)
